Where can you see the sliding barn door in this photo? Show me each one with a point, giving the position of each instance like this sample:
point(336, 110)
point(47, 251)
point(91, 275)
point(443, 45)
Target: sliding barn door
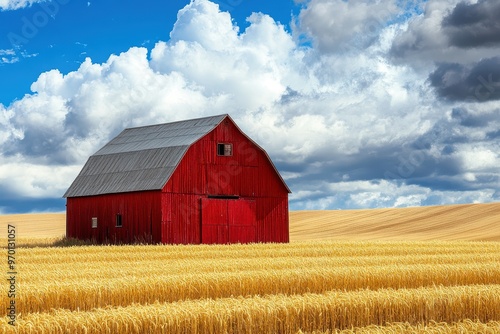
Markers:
point(227, 221)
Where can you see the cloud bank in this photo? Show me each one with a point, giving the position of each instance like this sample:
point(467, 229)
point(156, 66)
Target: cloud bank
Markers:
point(370, 113)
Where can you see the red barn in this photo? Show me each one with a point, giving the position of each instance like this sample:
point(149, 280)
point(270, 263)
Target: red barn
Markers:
point(189, 182)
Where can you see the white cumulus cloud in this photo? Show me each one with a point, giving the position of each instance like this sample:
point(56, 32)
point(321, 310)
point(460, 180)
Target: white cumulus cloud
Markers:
point(346, 129)
point(17, 4)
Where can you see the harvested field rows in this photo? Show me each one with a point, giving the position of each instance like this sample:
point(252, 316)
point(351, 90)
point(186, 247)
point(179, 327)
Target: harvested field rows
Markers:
point(323, 286)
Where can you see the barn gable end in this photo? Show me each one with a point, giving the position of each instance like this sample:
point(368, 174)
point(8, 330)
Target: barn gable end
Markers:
point(174, 183)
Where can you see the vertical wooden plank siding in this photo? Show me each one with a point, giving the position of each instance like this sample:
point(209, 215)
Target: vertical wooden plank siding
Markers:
point(272, 213)
point(140, 212)
point(247, 175)
point(181, 218)
point(214, 226)
point(228, 221)
point(242, 221)
point(208, 199)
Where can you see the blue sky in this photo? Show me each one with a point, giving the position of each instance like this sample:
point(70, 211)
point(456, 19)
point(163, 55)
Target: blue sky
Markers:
point(61, 34)
point(360, 103)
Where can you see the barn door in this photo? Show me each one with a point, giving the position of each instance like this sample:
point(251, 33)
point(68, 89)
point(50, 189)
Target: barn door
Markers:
point(227, 221)
point(214, 222)
point(241, 221)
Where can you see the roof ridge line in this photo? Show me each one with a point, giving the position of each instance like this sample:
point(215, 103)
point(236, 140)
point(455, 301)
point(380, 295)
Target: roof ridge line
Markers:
point(141, 150)
point(179, 121)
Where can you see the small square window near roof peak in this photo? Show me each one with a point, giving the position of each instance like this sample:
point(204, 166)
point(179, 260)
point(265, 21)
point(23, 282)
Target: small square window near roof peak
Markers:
point(224, 149)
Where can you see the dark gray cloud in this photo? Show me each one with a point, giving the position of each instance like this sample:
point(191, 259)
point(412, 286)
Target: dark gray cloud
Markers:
point(344, 26)
point(38, 145)
point(290, 95)
point(453, 183)
point(468, 119)
point(449, 32)
point(493, 135)
point(435, 156)
point(399, 161)
point(473, 25)
point(478, 82)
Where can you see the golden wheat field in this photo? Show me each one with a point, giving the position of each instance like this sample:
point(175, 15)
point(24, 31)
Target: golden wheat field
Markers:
point(349, 285)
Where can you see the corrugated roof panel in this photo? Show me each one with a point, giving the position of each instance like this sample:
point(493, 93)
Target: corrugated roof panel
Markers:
point(112, 168)
point(129, 181)
point(156, 137)
point(140, 158)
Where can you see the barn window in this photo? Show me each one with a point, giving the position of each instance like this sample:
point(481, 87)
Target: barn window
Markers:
point(118, 220)
point(225, 150)
point(94, 222)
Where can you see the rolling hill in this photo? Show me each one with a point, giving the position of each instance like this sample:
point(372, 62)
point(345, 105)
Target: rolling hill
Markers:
point(35, 225)
point(450, 222)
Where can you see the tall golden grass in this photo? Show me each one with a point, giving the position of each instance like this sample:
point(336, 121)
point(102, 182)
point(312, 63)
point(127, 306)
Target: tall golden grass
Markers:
point(118, 276)
point(279, 313)
point(311, 286)
point(461, 327)
point(260, 288)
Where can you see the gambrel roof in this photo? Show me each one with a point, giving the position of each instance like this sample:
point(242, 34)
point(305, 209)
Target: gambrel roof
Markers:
point(142, 158)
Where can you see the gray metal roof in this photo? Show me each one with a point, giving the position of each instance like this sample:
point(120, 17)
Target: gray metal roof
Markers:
point(141, 158)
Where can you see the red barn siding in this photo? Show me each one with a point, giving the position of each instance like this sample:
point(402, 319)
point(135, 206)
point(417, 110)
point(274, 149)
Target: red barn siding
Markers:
point(181, 218)
point(247, 174)
point(140, 211)
point(228, 221)
point(250, 204)
point(272, 214)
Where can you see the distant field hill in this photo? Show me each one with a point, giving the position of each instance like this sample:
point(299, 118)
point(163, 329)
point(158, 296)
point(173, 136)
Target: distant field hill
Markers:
point(35, 225)
point(453, 222)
